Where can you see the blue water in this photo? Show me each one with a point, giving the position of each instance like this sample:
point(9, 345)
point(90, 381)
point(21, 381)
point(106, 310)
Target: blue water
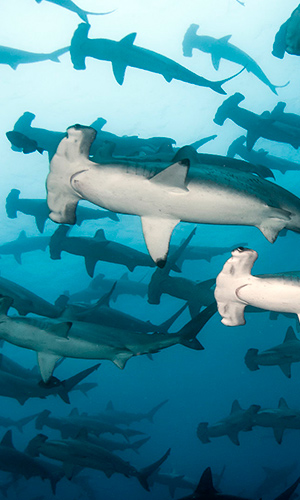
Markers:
point(200, 386)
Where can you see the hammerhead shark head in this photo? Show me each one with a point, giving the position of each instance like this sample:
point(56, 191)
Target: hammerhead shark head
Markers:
point(69, 5)
point(124, 53)
point(220, 48)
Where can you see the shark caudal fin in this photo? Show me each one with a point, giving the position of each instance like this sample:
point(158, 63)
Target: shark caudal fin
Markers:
point(217, 86)
point(137, 444)
point(53, 56)
point(202, 432)
point(12, 203)
point(164, 327)
point(42, 419)
point(68, 385)
point(154, 410)
point(251, 360)
point(224, 110)
point(144, 473)
point(187, 334)
point(23, 421)
point(57, 240)
point(77, 53)
point(189, 40)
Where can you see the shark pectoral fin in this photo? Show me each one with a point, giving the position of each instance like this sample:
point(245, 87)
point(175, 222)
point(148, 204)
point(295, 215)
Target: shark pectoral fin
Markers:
point(157, 233)
point(173, 176)
point(119, 69)
point(234, 437)
point(90, 264)
point(251, 139)
point(271, 226)
point(278, 434)
point(18, 257)
point(40, 222)
point(286, 369)
point(46, 362)
point(215, 61)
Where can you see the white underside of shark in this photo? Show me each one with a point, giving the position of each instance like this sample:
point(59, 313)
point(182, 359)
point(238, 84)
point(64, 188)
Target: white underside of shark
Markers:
point(236, 288)
point(207, 194)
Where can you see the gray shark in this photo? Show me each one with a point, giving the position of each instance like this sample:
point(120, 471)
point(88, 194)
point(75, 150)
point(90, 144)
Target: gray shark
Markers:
point(165, 197)
point(278, 114)
point(124, 53)
point(21, 142)
point(9, 422)
point(257, 125)
point(14, 57)
point(70, 426)
point(220, 48)
point(278, 419)
point(113, 445)
point(260, 157)
point(282, 355)
point(24, 244)
point(172, 481)
point(127, 418)
point(100, 284)
point(53, 341)
point(69, 5)
point(73, 452)
point(25, 301)
point(38, 208)
point(275, 477)
point(238, 420)
point(95, 249)
point(287, 38)
point(21, 384)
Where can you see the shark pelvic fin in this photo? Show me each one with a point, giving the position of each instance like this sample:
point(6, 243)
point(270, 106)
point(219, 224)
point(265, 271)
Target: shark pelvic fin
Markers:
point(46, 362)
point(273, 225)
point(157, 233)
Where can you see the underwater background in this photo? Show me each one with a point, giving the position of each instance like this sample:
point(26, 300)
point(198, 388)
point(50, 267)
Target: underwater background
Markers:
point(200, 386)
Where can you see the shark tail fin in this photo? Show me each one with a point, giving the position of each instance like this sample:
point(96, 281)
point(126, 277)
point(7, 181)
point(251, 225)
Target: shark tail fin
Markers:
point(137, 444)
point(53, 56)
point(217, 86)
point(144, 473)
point(11, 203)
point(24, 421)
point(188, 333)
point(250, 360)
point(164, 327)
point(56, 241)
point(42, 419)
point(35, 444)
point(154, 410)
point(71, 382)
point(202, 432)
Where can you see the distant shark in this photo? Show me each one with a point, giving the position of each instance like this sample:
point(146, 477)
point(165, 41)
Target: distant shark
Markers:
point(278, 419)
point(165, 197)
point(124, 53)
point(287, 38)
point(24, 244)
point(14, 57)
point(282, 355)
point(69, 5)
point(238, 420)
point(220, 48)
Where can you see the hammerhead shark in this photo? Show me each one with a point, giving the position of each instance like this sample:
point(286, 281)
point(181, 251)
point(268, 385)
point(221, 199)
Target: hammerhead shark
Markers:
point(69, 5)
point(164, 197)
point(220, 48)
point(24, 244)
point(124, 53)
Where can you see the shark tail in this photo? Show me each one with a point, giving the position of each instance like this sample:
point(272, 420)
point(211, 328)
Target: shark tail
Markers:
point(250, 360)
point(144, 473)
point(84, 13)
point(71, 382)
point(56, 241)
point(164, 327)
point(11, 203)
point(53, 56)
point(42, 419)
point(23, 421)
point(217, 86)
point(137, 444)
point(202, 432)
point(187, 334)
point(154, 410)
point(86, 387)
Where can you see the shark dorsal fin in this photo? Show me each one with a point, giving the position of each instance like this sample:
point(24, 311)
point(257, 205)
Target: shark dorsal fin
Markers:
point(173, 176)
point(100, 235)
point(109, 406)
point(225, 39)
point(205, 485)
point(235, 407)
point(290, 335)
point(282, 403)
point(22, 236)
point(128, 39)
point(60, 329)
point(74, 413)
point(7, 439)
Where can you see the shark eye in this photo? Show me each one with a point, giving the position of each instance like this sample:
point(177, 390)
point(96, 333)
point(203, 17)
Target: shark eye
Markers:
point(241, 249)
